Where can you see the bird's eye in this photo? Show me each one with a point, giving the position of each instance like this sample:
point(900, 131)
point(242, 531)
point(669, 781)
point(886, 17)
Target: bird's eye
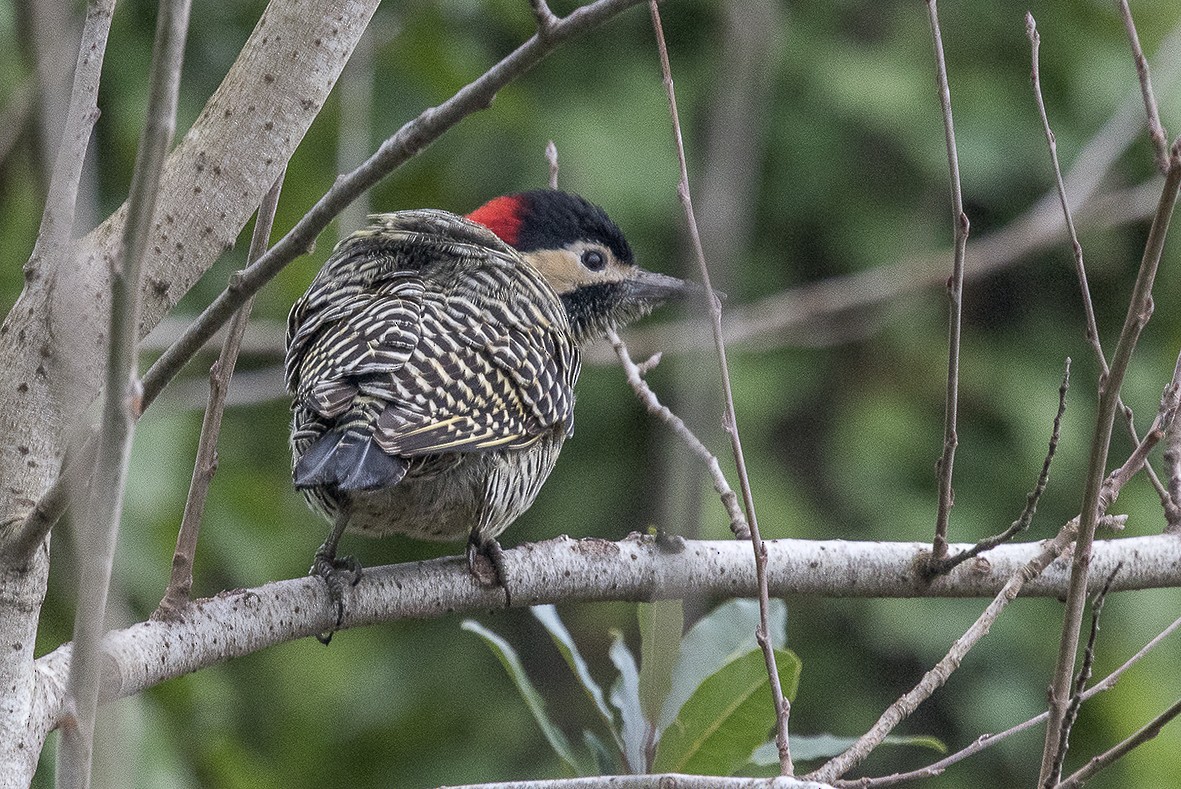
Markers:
point(594, 260)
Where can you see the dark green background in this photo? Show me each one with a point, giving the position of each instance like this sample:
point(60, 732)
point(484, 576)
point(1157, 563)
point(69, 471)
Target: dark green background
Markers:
point(850, 173)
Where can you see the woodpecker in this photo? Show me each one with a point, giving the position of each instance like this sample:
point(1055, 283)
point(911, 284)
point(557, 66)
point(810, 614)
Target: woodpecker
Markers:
point(432, 365)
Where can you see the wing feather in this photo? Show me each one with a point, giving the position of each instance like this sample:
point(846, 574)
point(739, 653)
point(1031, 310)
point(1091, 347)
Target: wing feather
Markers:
point(460, 338)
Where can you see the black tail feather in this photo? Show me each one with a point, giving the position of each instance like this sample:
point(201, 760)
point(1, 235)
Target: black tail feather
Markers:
point(347, 461)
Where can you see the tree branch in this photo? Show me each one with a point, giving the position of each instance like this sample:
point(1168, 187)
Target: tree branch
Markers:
point(955, 295)
point(1092, 328)
point(1156, 132)
point(180, 583)
point(781, 704)
point(1139, 310)
point(562, 570)
point(654, 781)
point(99, 523)
point(57, 221)
point(1146, 733)
point(938, 675)
point(988, 740)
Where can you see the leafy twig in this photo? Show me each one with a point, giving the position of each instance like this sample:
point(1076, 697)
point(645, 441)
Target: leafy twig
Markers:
point(955, 291)
point(782, 705)
point(100, 524)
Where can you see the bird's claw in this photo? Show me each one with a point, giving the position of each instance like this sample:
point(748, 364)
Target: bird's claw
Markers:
point(485, 560)
point(336, 572)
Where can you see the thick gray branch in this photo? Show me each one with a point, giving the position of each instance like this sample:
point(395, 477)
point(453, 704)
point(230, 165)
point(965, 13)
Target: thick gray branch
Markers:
point(563, 570)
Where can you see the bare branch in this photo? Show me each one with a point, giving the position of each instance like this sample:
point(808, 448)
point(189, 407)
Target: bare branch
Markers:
point(955, 292)
point(1080, 681)
point(562, 570)
point(1031, 500)
point(635, 377)
point(781, 703)
point(1092, 328)
point(545, 18)
point(1097, 763)
point(1139, 310)
point(1156, 132)
point(100, 522)
point(654, 781)
point(180, 584)
point(987, 740)
point(1164, 421)
point(939, 674)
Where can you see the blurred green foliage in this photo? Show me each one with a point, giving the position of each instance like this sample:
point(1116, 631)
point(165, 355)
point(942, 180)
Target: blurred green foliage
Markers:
point(849, 173)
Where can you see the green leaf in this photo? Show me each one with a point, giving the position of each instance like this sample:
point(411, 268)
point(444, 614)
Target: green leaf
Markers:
point(548, 616)
point(625, 695)
point(512, 664)
point(727, 717)
point(716, 639)
point(661, 626)
point(606, 762)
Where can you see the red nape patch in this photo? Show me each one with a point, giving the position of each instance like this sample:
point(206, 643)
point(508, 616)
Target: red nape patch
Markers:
point(502, 216)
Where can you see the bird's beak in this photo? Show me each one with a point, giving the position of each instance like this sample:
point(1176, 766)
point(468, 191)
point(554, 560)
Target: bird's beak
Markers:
point(648, 287)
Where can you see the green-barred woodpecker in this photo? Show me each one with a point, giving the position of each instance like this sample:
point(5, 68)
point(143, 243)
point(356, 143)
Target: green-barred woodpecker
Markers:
point(433, 359)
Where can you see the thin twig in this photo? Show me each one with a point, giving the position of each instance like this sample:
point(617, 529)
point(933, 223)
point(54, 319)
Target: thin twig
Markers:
point(635, 372)
point(544, 16)
point(1172, 458)
point(180, 585)
point(941, 671)
point(650, 781)
point(988, 740)
point(635, 377)
point(1139, 310)
point(955, 291)
point(414, 137)
point(1097, 763)
point(1156, 132)
point(100, 523)
point(1076, 247)
point(1080, 681)
point(1031, 500)
point(1165, 419)
point(762, 635)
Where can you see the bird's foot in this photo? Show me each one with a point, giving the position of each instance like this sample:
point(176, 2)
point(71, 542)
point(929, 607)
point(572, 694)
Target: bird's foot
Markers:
point(485, 560)
point(337, 573)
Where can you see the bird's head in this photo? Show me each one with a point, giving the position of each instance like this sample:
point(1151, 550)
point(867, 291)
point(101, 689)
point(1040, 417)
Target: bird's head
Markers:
point(583, 255)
